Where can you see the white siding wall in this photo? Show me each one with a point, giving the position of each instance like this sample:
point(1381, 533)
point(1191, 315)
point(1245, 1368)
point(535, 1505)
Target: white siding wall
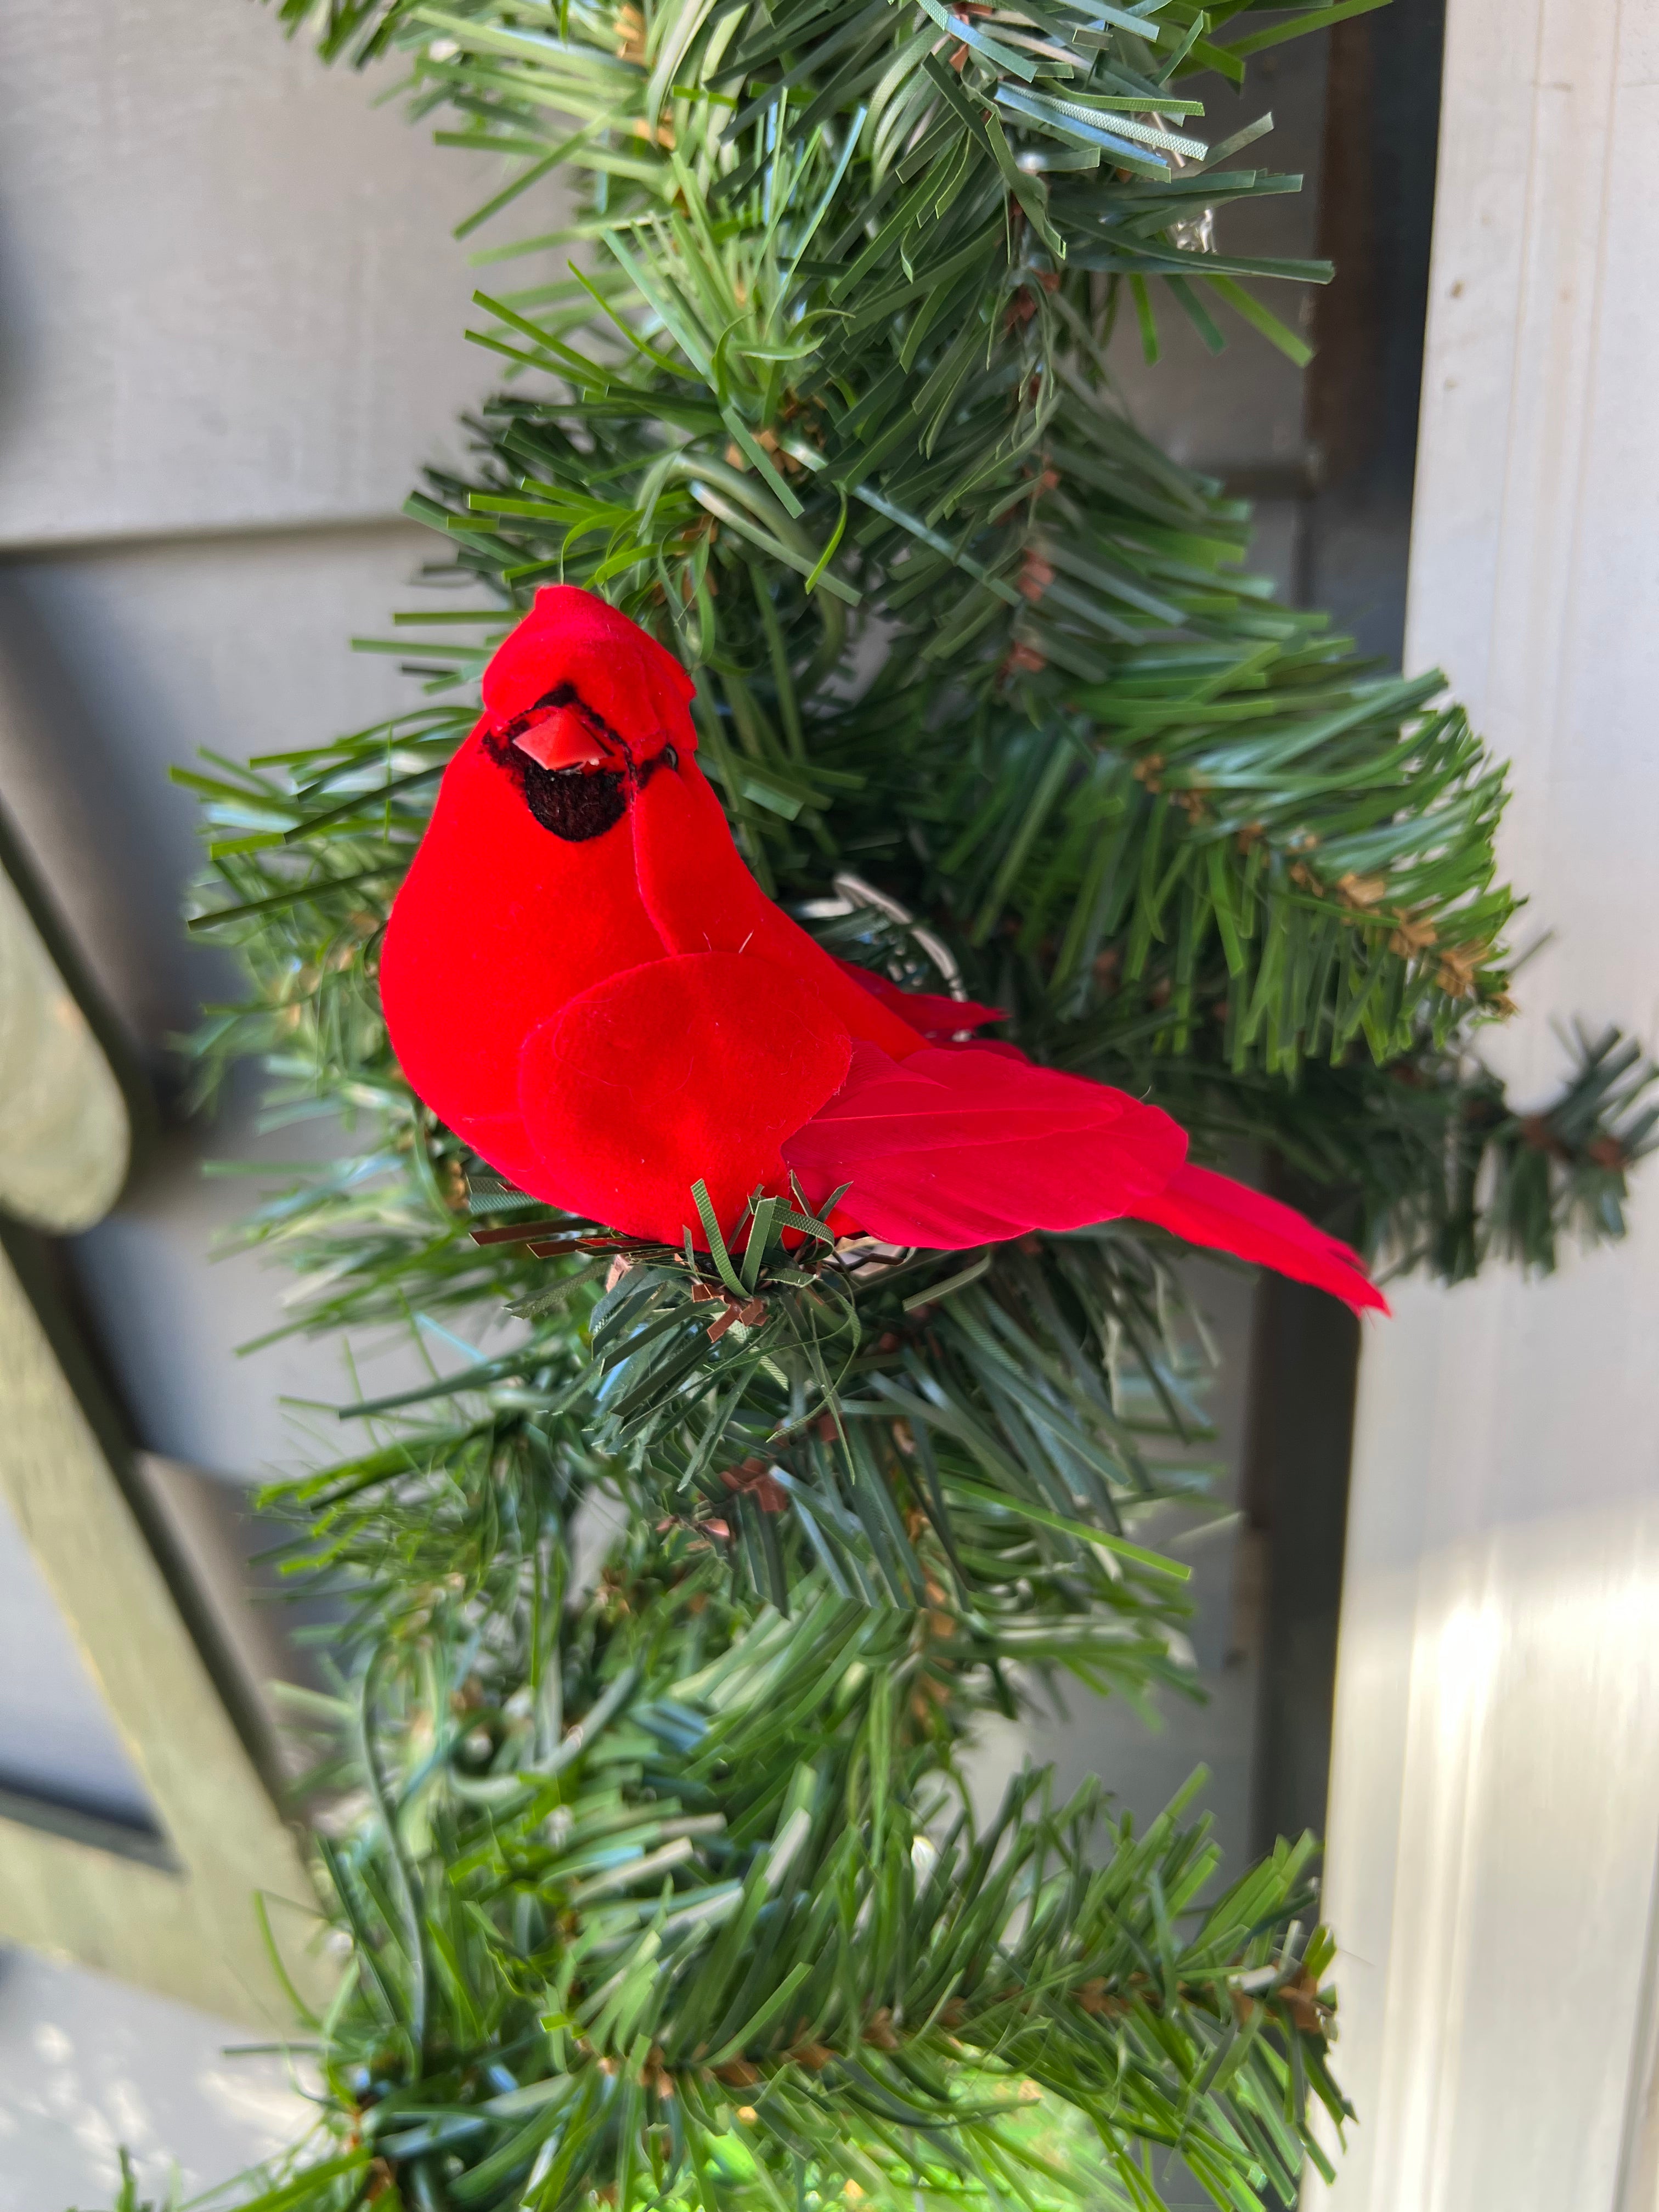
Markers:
point(230, 320)
point(230, 330)
point(229, 296)
point(1495, 1801)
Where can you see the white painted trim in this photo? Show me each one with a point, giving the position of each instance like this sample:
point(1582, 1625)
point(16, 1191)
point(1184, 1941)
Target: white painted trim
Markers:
point(1494, 1822)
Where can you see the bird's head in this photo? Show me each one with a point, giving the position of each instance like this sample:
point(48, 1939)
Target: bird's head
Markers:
point(580, 706)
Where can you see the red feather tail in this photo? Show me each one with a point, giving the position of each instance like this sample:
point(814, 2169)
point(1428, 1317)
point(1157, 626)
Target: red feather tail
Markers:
point(1205, 1208)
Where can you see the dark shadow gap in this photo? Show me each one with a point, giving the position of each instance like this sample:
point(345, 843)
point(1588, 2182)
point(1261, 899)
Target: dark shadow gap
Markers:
point(1382, 129)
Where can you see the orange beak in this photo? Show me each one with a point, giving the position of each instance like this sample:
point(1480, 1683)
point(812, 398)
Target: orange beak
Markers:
point(562, 739)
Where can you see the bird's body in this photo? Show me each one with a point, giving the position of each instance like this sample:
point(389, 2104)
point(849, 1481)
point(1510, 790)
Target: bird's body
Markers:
point(583, 980)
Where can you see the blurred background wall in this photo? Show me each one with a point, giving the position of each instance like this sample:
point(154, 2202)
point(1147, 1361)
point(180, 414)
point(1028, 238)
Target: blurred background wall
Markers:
point(230, 330)
point(230, 318)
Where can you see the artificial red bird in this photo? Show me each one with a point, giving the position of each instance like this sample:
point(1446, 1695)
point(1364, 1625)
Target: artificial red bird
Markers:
point(583, 980)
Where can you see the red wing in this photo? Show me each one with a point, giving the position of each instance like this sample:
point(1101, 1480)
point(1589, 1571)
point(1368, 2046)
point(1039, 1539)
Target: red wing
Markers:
point(934, 1016)
point(958, 1145)
point(1211, 1209)
point(702, 898)
point(949, 1149)
point(693, 1067)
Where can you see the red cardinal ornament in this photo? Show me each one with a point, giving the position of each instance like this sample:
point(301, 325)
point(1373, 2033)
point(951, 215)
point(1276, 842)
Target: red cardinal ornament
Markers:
point(583, 980)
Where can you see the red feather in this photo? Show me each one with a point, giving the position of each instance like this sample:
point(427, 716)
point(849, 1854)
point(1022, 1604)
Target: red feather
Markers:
point(1210, 1209)
point(581, 977)
point(697, 1065)
point(934, 1015)
point(951, 1149)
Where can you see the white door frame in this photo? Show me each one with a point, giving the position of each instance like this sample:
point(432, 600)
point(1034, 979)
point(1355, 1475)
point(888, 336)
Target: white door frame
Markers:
point(1494, 1819)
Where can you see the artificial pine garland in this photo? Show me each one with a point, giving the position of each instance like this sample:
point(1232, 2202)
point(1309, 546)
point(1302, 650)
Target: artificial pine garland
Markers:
point(668, 1889)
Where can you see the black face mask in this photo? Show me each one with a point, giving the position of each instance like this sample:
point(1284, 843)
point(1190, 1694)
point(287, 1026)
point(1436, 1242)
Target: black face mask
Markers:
point(574, 803)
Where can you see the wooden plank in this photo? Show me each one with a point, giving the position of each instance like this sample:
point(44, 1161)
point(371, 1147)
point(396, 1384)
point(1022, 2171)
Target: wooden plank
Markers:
point(187, 1929)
